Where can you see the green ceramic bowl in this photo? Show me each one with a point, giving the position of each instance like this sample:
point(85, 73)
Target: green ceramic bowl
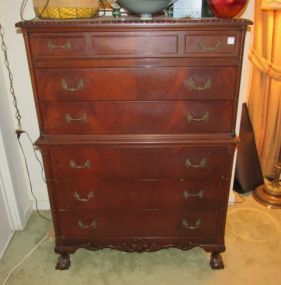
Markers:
point(145, 8)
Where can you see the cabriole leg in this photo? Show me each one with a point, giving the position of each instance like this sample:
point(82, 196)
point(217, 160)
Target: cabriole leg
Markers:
point(63, 261)
point(216, 261)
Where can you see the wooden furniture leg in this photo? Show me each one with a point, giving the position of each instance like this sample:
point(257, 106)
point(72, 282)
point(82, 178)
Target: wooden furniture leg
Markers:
point(216, 261)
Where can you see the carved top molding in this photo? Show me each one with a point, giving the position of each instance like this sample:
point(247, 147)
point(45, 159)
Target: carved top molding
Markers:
point(131, 21)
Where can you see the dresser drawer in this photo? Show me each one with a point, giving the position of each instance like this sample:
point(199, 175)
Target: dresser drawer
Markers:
point(136, 194)
point(151, 83)
point(59, 45)
point(135, 117)
point(212, 44)
point(137, 162)
point(144, 223)
point(135, 44)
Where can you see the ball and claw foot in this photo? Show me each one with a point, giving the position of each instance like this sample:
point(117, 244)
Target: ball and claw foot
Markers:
point(216, 261)
point(63, 262)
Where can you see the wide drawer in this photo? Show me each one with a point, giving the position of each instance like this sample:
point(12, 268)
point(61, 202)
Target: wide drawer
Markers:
point(144, 223)
point(137, 117)
point(136, 194)
point(137, 162)
point(151, 83)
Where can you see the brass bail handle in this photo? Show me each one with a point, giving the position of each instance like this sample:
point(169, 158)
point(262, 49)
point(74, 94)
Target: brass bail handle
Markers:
point(192, 86)
point(70, 119)
point(195, 226)
point(77, 196)
point(204, 118)
point(202, 164)
point(186, 194)
point(66, 46)
point(82, 225)
point(202, 46)
point(80, 85)
point(73, 164)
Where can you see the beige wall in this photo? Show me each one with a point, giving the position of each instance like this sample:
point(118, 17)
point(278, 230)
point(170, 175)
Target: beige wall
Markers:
point(12, 177)
point(245, 83)
point(245, 77)
point(9, 15)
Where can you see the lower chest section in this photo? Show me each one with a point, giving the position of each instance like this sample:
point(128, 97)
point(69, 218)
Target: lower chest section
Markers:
point(152, 191)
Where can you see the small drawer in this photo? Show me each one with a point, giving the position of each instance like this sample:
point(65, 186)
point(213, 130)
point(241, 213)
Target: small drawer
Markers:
point(151, 83)
point(212, 44)
point(136, 194)
point(138, 162)
point(58, 45)
point(136, 117)
point(142, 223)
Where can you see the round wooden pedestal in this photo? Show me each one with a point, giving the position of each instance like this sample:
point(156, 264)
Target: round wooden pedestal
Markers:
point(262, 196)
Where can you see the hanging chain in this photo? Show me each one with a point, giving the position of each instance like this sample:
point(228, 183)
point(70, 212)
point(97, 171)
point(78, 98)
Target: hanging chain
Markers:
point(19, 131)
point(11, 79)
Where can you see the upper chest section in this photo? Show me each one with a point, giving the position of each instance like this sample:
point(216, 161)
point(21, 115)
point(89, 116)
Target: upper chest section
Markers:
point(154, 41)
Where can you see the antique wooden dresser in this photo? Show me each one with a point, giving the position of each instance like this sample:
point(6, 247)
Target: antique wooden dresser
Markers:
point(137, 130)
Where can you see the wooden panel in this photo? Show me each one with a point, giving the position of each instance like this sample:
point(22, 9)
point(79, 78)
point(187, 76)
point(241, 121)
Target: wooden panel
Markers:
point(151, 83)
point(137, 117)
point(148, 44)
point(136, 194)
point(137, 162)
point(168, 223)
point(58, 45)
point(212, 44)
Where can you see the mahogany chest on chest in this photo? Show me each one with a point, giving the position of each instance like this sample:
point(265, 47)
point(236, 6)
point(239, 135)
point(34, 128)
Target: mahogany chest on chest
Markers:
point(137, 130)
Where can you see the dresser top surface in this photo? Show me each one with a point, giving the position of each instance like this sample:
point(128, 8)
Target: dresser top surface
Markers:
point(131, 22)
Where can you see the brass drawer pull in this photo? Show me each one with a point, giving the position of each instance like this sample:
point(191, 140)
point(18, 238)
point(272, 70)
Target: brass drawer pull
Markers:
point(202, 46)
point(191, 227)
point(191, 85)
point(66, 46)
point(202, 164)
point(69, 119)
point(91, 225)
point(80, 85)
point(87, 164)
point(186, 194)
point(78, 198)
point(191, 118)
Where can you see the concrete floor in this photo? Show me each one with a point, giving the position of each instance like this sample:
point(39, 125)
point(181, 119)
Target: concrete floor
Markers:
point(252, 256)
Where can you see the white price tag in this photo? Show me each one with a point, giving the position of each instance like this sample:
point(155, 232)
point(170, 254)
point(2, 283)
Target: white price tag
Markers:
point(231, 40)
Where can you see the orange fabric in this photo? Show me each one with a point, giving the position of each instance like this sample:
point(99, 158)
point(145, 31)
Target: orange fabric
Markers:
point(271, 4)
point(265, 90)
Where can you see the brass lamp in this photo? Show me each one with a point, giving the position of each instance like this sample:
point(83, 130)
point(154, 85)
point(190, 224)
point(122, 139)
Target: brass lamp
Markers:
point(269, 194)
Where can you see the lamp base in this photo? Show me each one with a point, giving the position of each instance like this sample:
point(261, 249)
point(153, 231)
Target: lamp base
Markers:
point(266, 199)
